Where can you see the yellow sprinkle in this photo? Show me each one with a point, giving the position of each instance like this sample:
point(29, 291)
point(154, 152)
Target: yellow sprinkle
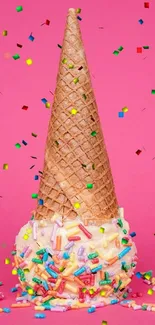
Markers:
point(41, 308)
point(29, 230)
point(72, 225)
point(48, 105)
point(29, 61)
point(112, 237)
point(105, 244)
point(76, 205)
point(103, 293)
point(91, 246)
point(14, 271)
point(124, 109)
point(25, 237)
point(73, 232)
point(30, 291)
point(100, 254)
point(7, 261)
point(150, 292)
point(74, 111)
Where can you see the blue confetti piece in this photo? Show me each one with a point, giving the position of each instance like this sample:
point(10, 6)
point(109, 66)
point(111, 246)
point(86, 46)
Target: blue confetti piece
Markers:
point(138, 275)
point(79, 18)
point(121, 114)
point(44, 100)
point(133, 234)
point(36, 177)
point(141, 21)
point(114, 301)
point(40, 315)
point(91, 310)
point(31, 38)
point(40, 202)
point(24, 142)
point(7, 310)
point(14, 289)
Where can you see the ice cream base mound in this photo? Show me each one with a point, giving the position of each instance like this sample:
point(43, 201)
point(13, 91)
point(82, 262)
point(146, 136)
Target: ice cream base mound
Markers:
point(67, 264)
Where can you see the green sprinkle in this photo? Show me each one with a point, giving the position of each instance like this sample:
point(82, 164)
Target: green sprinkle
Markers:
point(71, 66)
point(153, 91)
point(32, 217)
point(76, 80)
point(64, 60)
point(106, 276)
point(41, 251)
point(146, 47)
point(89, 185)
point(19, 8)
point(119, 284)
point(34, 196)
point(144, 307)
point(93, 166)
point(84, 165)
point(18, 145)
point(19, 271)
point(116, 53)
point(36, 280)
point(57, 143)
point(125, 295)
point(37, 261)
point(125, 231)
point(124, 241)
point(16, 57)
point(84, 96)
point(93, 133)
point(104, 282)
point(120, 49)
point(34, 135)
point(120, 223)
point(13, 253)
point(102, 230)
point(92, 255)
point(133, 264)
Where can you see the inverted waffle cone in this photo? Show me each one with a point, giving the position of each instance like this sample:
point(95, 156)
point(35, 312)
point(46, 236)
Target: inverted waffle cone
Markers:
point(75, 153)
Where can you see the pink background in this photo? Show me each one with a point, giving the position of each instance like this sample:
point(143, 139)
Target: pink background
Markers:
point(118, 81)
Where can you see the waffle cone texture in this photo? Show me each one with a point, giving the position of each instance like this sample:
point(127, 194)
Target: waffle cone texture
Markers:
point(77, 177)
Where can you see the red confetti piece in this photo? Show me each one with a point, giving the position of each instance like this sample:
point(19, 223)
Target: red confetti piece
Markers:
point(25, 108)
point(138, 152)
point(47, 22)
point(139, 49)
point(19, 45)
point(146, 5)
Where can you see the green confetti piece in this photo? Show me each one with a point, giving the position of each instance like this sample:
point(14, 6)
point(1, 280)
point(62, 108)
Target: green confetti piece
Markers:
point(153, 91)
point(76, 80)
point(144, 307)
point(64, 60)
point(36, 280)
point(37, 261)
point(146, 47)
point(125, 231)
point(89, 185)
point(120, 48)
point(78, 10)
point(34, 135)
point(93, 133)
point(16, 57)
point(125, 295)
point(13, 253)
point(18, 145)
point(19, 8)
point(84, 96)
point(116, 53)
point(70, 66)
point(120, 223)
point(124, 241)
point(93, 166)
point(133, 264)
point(34, 196)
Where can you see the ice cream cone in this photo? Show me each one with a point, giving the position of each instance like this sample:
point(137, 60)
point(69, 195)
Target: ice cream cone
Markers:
point(77, 177)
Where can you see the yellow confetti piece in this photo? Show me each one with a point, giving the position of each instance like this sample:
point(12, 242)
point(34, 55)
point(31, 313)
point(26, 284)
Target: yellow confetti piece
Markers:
point(150, 292)
point(30, 291)
point(25, 237)
point(124, 109)
point(29, 61)
point(74, 111)
point(48, 105)
point(14, 272)
point(76, 205)
point(29, 230)
point(103, 293)
point(7, 261)
point(5, 166)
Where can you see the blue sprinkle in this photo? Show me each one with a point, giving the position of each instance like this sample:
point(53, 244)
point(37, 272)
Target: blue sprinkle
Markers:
point(14, 289)
point(114, 301)
point(121, 114)
point(24, 142)
point(66, 255)
point(51, 272)
point(31, 38)
point(44, 100)
point(40, 315)
point(124, 302)
point(79, 18)
point(80, 271)
point(45, 257)
point(141, 21)
point(24, 293)
point(40, 202)
point(124, 252)
point(22, 255)
point(96, 269)
point(36, 177)
point(6, 310)
point(133, 234)
point(47, 307)
point(138, 275)
point(45, 285)
point(91, 310)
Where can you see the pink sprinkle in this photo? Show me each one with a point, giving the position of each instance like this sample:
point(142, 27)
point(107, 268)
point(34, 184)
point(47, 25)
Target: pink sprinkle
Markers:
point(28, 252)
point(23, 264)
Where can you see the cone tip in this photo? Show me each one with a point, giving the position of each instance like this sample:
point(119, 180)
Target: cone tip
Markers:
point(71, 10)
